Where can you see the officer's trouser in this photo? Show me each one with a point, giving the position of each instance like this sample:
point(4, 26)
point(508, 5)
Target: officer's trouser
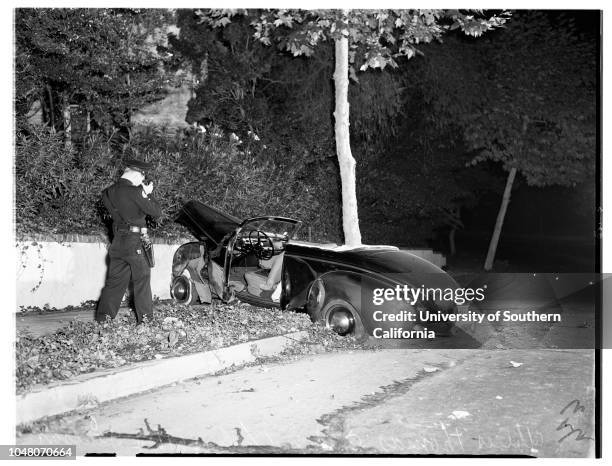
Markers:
point(126, 262)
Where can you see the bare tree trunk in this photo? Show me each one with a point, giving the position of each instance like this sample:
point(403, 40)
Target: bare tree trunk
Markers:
point(350, 216)
point(129, 109)
point(67, 124)
point(454, 221)
point(43, 105)
point(500, 220)
point(51, 107)
point(451, 241)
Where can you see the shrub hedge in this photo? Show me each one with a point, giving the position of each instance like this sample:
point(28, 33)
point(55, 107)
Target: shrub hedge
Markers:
point(58, 189)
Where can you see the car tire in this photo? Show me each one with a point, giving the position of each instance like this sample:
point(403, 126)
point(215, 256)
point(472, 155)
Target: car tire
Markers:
point(335, 315)
point(183, 290)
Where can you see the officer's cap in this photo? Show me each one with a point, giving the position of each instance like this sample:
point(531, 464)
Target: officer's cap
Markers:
point(139, 165)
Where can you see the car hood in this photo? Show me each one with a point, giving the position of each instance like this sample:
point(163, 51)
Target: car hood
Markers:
point(206, 222)
point(400, 265)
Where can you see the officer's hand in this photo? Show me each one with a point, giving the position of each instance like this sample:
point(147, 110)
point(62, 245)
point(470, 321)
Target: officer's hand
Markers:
point(147, 188)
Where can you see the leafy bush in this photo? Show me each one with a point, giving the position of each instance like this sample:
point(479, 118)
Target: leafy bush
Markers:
point(55, 191)
point(58, 190)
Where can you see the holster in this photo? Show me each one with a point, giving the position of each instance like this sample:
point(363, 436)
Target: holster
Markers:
point(147, 249)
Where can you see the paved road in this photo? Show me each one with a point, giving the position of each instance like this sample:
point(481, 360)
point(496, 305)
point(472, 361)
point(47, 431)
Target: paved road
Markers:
point(38, 324)
point(516, 394)
point(404, 401)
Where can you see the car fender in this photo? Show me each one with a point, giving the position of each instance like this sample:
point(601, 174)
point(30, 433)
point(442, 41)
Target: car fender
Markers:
point(343, 285)
point(357, 289)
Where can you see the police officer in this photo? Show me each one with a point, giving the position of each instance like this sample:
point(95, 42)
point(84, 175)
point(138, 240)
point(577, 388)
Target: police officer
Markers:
point(129, 200)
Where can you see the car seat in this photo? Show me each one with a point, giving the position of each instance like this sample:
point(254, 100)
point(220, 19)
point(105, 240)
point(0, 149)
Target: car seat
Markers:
point(255, 279)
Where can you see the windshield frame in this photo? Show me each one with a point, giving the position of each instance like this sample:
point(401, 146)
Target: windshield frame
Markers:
point(294, 226)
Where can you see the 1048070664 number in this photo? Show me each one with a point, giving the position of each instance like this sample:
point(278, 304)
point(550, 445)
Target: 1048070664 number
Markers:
point(38, 451)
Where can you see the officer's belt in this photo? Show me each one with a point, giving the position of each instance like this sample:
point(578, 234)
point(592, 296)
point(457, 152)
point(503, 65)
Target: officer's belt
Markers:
point(133, 229)
point(127, 227)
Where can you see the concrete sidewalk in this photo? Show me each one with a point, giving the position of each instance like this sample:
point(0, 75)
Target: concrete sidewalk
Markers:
point(109, 384)
point(388, 402)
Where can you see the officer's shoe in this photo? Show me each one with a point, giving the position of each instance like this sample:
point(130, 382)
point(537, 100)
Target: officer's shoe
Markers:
point(146, 319)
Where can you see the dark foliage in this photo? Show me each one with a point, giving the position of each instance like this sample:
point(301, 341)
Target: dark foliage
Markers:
point(58, 191)
point(103, 59)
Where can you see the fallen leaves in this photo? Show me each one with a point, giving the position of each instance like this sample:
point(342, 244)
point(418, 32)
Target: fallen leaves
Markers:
point(459, 415)
point(173, 338)
point(83, 347)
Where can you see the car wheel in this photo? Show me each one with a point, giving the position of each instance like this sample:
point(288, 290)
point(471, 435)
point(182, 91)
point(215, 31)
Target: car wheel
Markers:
point(183, 290)
point(343, 318)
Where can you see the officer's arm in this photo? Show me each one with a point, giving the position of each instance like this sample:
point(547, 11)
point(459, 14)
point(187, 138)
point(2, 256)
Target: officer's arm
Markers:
point(106, 200)
point(148, 205)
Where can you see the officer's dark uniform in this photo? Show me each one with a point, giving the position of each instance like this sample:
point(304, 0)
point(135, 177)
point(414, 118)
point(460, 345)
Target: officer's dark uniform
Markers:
point(126, 252)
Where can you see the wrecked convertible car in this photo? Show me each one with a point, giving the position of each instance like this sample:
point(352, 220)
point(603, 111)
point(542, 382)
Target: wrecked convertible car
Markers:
point(333, 284)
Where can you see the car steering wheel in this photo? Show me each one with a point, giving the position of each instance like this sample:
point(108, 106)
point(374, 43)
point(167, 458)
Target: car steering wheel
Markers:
point(242, 246)
point(262, 244)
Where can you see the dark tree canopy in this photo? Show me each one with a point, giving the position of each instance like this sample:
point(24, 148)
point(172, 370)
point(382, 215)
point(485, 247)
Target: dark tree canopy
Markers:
point(521, 96)
point(247, 86)
point(102, 59)
point(525, 96)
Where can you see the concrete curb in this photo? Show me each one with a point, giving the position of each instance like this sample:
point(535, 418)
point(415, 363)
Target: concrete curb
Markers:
point(115, 383)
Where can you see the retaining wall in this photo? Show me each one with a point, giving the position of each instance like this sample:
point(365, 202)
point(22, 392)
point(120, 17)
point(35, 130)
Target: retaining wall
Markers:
point(66, 270)
point(429, 255)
